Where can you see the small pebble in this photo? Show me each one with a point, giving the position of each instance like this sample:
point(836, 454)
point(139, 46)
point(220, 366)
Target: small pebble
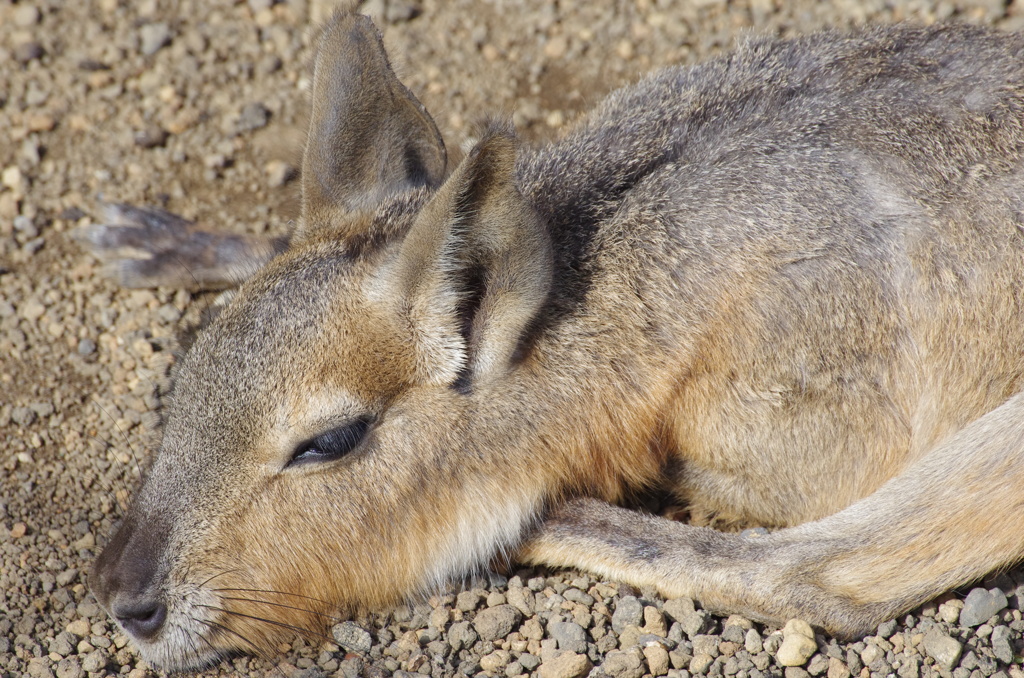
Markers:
point(13, 179)
point(949, 612)
point(795, 650)
point(40, 122)
point(556, 47)
point(495, 661)
point(797, 627)
point(628, 612)
point(654, 621)
point(569, 635)
point(886, 629)
point(943, 649)
point(657, 659)
point(734, 634)
point(86, 346)
point(79, 628)
point(69, 667)
point(818, 665)
point(706, 644)
point(279, 173)
point(153, 37)
point(837, 668)
point(254, 116)
point(981, 604)
point(94, 661)
point(529, 661)
point(700, 663)
point(352, 637)
point(1002, 643)
point(624, 664)
point(26, 15)
point(752, 642)
point(567, 665)
point(678, 608)
point(400, 11)
point(870, 654)
point(151, 137)
point(461, 634)
point(496, 622)
point(467, 601)
point(695, 623)
point(28, 51)
point(23, 416)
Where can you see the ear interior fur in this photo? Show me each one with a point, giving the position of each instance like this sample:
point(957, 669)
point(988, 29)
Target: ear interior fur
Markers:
point(369, 137)
point(475, 268)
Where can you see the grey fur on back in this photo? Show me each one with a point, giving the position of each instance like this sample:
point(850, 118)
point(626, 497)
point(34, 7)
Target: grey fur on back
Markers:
point(794, 191)
point(827, 91)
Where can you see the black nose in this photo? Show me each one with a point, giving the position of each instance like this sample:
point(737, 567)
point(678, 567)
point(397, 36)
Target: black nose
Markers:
point(126, 578)
point(141, 618)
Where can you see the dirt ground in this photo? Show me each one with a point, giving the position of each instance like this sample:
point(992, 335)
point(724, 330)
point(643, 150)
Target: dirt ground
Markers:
point(198, 106)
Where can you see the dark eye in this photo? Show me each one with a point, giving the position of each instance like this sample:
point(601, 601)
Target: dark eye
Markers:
point(331, 445)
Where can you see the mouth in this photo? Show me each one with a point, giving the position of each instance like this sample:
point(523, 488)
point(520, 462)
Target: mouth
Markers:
point(182, 644)
point(203, 626)
point(185, 632)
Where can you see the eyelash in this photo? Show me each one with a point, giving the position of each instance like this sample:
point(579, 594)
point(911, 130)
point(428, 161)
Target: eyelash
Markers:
point(333, 444)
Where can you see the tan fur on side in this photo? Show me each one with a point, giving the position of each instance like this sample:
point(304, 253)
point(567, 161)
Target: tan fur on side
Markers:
point(785, 287)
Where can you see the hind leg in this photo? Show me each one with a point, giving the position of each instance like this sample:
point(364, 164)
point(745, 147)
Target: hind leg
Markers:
point(145, 247)
point(952, 517)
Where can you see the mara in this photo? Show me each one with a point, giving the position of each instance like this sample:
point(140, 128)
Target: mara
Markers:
point(785, 287)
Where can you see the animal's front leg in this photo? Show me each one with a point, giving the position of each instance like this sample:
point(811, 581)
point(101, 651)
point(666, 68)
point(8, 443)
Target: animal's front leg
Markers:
point(948, 519)
point(757, 576)
point(148, 247)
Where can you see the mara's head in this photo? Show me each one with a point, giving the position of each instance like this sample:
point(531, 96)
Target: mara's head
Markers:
point(316, 436)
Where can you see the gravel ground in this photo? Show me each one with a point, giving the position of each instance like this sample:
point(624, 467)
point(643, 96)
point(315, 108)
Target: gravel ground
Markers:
point(198, 106)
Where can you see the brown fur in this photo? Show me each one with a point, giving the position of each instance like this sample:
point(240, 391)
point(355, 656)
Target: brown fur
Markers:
point(785, 286)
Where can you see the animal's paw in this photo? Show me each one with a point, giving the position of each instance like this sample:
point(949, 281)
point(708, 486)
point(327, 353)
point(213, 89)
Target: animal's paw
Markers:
point(147, 247)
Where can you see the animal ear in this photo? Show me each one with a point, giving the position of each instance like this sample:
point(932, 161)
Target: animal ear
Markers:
point(369, 137)
point(474, 269)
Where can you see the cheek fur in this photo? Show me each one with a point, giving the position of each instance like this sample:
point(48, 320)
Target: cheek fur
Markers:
point(305, 549)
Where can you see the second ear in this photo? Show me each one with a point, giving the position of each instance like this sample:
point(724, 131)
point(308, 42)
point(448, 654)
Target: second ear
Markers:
point(369, 137)
point(476, 266)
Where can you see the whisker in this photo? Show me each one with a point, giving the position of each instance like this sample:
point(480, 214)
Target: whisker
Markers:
point(216, 653)
point(280, 593)
point(118, 508)
point(181, 262)
point(289, 607)
point(200, 290)
point(105, 482)
point(297, 629)
point(219, 574)
point(190, 637)
point(122, 506)
point(131, 450)
point(257, 650)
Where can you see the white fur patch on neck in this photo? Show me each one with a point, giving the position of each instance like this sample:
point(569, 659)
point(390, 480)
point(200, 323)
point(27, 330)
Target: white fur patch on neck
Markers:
point(485, 527)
